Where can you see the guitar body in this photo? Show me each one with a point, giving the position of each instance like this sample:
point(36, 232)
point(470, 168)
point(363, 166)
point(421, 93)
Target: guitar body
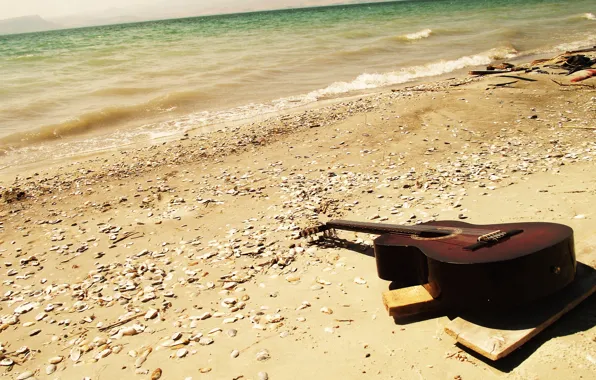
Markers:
point(519, 269)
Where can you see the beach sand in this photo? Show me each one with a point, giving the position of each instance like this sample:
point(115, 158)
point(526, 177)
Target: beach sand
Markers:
point(230, 294)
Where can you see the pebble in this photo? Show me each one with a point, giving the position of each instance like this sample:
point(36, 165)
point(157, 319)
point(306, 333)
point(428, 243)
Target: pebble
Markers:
point(232, 333)
point(235, 354)
point(263, 376)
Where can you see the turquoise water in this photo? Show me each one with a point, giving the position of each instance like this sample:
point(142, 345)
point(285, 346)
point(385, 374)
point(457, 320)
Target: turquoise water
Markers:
point(113, 85)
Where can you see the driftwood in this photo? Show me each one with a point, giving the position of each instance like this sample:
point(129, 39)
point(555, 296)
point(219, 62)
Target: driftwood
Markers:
point(574, 84)
point(122, 322)
point(518, 77)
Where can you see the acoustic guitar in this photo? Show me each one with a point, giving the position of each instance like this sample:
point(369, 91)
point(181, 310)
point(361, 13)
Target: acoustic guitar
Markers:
point(467, 265)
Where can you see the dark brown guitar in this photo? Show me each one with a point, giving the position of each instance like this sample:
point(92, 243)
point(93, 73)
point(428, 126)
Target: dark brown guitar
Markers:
point(471, 265)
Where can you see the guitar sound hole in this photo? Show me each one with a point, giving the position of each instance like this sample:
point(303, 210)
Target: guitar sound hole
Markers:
point(432, 235)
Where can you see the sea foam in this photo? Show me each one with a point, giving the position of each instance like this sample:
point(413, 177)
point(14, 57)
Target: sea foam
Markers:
point(419, 35)
point(590, 16)
point(368, 81)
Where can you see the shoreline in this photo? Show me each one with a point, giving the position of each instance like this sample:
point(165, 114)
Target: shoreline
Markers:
point(193, 243)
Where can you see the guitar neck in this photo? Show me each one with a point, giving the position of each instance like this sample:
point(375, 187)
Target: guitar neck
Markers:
point(379, 228)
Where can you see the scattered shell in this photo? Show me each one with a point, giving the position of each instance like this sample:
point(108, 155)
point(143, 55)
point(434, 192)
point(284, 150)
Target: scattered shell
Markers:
point(25, 375)
point(263, 355)
point(205, 341)
point(360, 281)
point(235, 354)
point(326, 310)
point(205, 369)
point(6, 362)
point(293, 278)
point(151, 313)
point(263, 376)
point(232, 333)
point(103, 354)
point(155, 375)
point(56, 359)
point(182, 352)
point(117, 349)
point(51, 369)
point(75, 354)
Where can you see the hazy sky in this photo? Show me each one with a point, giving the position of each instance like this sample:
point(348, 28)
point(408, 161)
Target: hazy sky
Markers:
point(53, 8)
point(57, 8)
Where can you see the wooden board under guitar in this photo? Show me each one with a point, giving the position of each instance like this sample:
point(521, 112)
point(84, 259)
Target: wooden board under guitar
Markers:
point(497, 270)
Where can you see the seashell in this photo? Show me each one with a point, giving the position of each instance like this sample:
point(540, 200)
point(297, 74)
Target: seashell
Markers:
point(229, 320)
point(143, 357)
point(326, 310)
point(99, 341)
point(24, 308)
point(34, 332)
point(205, 369)
point(232, 333)
point(51, 369)
point(116, 349)
point(323, 282)
point(40, 316)
point(176, 336)
point(127, 331)
point(293, 278)
point(155, 375)
point(49, 307)
point(141, 371)
point(360, 281)
point(205, 341)
point(6, 362)
point(263, 376)
point(133, 353)
point(151, 313)
point(56, 359)
point(28, 324)
point(22, 350)
point(234, 354)
point(25, 375)
point(181, 352)
point(75, 354)
point(103, 354)
point(263, 355)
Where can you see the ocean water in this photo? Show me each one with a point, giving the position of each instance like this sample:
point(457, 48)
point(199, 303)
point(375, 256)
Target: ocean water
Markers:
point(76, 91)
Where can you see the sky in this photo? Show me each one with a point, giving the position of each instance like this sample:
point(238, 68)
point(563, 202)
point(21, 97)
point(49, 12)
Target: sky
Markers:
point(60, 8)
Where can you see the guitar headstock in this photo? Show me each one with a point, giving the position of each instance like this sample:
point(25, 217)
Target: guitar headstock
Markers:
point(308, 232)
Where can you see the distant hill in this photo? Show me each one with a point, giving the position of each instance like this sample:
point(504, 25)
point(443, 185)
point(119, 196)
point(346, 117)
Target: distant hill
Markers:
point(26, 24)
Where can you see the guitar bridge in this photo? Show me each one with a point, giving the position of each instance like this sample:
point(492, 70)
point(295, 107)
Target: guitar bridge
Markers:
point(492, 236)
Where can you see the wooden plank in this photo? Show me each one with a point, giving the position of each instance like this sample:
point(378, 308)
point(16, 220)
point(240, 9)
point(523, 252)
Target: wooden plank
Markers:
point(407, 302)
point(497, 335)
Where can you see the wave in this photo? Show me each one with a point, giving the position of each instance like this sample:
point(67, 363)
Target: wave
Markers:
point(108, 117)
point(368, 81)
point(589, 16)
point(419, 35)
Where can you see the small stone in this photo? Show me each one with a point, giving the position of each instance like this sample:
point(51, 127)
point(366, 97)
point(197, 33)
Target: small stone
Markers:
point(232, 333)
point(326, 310)
point(235, 354)
point(263, 376)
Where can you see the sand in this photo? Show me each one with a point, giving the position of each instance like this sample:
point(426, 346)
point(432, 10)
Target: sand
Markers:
point(195, 237)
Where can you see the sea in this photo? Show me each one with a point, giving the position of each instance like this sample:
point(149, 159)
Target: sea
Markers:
point(70, 93)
